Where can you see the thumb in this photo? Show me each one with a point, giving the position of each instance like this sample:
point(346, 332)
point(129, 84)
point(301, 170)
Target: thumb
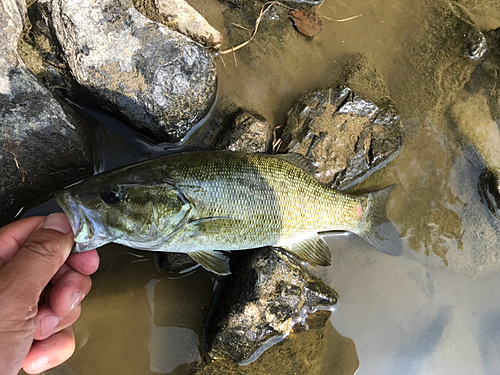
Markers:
point(28, 272)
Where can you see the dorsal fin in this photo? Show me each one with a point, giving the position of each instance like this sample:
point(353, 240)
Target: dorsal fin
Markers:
point(298, 160)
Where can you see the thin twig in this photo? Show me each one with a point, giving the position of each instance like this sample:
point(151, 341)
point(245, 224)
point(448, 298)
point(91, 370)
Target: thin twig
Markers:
point(257, 22)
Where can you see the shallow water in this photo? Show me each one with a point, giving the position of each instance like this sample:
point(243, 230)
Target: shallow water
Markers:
point(435, 309)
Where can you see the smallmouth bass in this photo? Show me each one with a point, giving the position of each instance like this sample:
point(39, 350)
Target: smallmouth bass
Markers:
point(202, 203)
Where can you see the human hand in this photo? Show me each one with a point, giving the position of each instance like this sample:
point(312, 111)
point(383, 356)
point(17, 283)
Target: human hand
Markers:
point(41, 287)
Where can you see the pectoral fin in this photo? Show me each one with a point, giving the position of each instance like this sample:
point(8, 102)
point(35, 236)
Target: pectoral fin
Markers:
point(312, 249)
point(213, 261)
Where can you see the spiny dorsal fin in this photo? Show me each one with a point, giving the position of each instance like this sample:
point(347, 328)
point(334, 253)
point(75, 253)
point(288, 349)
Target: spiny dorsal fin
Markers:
point(298, 160)
point(312, 249)
point(213, 261)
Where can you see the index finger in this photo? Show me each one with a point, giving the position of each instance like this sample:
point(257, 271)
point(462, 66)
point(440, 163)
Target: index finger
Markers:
point(13, 235)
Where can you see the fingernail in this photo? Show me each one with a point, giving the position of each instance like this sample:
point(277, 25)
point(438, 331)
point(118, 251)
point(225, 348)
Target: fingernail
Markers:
point(39, 364)
point(48, 323)
point(58, 222)
point(76, 298)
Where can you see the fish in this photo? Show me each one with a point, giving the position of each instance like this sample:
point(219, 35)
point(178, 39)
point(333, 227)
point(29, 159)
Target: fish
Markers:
point(203, 203)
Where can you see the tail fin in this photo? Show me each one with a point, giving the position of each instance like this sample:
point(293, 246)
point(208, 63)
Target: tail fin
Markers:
point(376, 229)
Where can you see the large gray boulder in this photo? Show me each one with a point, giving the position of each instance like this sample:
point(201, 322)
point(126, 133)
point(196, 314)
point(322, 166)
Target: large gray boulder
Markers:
point(162, 82)
point(43, 146)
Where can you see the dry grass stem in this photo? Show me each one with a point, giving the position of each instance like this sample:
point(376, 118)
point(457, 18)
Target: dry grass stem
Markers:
point(276, 142)
point(235, 61)
point(22, 171)
point(343, 19)
point(241, 27)
point(276, 146)
point(223, 62)
point(264, 9)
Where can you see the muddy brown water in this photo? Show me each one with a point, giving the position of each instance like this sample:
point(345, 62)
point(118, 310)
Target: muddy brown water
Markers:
point(435, 309)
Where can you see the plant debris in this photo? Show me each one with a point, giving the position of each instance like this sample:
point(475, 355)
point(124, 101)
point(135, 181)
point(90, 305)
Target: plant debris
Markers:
point(306, 22)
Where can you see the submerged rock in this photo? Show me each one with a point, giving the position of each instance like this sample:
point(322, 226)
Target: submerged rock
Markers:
point(173, 262)
point(43, 144)
point(266, 297)
point(318, 351)
point(345, 135)
point(162, 82)
point(488, 187)
point(244, 132)
point(475, 41)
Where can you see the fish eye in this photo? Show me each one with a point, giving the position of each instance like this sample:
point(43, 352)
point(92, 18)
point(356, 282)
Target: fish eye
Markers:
point(111, 195)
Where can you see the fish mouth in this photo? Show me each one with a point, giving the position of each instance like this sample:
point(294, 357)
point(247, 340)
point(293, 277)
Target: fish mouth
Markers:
point(86, 224)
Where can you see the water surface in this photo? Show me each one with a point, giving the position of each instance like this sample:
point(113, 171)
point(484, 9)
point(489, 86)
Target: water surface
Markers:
point(435, 309)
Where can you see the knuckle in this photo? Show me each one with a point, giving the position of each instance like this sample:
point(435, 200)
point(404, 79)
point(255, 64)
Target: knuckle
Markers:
point(45, 247)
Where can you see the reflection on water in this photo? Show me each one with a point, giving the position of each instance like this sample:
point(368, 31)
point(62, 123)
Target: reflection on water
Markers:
point(138, 320)
point(424, 191)
point(434, 310)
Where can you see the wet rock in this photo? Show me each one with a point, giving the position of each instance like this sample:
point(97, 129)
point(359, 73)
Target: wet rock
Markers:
point(485, 78)
point(488, 187)
point(317, 351)
point(43, 144)
point(472, 117)
point(475, 41)
point(173, 262)
point(162, 82)
point(476, 45)
point(344, 135)
point(306, 22)
point(245, 132)
point(41, 53)
point(186, 20)
point(267, 295)
point(12, 14)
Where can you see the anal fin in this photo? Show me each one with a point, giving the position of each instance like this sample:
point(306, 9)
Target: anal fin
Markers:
point(312, 249)
point(213, 261)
